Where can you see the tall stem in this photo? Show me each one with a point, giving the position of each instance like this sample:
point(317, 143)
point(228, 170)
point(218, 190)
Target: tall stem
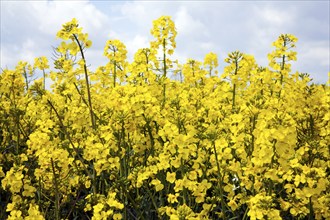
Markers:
point(234, 86)
point(283, 63)
point(114, 74)
point(26, 79)
point(164, 57)
point(253, 138)
point(57, 198)
point(220, 182)
point(165, 71)
point(87, 83)
point(82, 160)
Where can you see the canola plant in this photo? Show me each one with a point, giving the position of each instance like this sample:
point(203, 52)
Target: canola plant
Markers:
point(127, 141)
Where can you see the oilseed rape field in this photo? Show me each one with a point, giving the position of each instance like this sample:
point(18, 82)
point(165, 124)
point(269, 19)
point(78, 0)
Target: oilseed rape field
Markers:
point(128, 141)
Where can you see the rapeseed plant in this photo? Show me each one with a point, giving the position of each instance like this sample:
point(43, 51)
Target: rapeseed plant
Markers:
point(127, 141)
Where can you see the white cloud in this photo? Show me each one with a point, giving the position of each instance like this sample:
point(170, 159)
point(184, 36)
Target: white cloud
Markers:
point(94, 58)
point(39, 22)
point(316, 52)
point(187, 26)
point(274, 17)
point(138, 42)
point(50, 15)
point(28, 28)
point(313, 58)
point(144, 12)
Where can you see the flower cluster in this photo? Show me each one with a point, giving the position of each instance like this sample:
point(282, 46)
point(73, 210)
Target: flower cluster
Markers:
point(127, 141)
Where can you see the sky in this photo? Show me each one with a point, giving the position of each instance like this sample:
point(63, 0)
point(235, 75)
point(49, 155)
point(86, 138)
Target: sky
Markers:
point(28, 29)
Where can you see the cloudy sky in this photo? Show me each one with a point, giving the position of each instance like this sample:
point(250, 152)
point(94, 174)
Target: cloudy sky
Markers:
point(28, 28)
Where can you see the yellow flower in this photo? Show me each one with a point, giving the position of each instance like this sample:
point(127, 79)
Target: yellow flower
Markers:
point(172, 198)
point(112, 202)
point(15, 215)
point(98, 208)
point(112, 133)
point(88, 44)
point(170, 177)
point(158, 184)
point(41, 63)
point(34, 213)
point(176, 162)
point(2, 174)
point(117, 216)
point(164, 30)
point(233, 205)
point(192, 175)
point(29, 190)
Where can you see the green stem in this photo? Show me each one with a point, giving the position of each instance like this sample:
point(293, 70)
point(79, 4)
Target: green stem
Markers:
point(17, 130)
point(165, 71)
point(245, 213)
point(234, 86)
point(39, 193)
point(91, 176)
point(234, 95)
point(310, 216)
point(311, 125)
point(87, 83)
point(220, 182)
point(253, 138)
point(26, 79)
point(44, 75)
point(283, 63)
point(282, 68)
point(153, 202)
point(114, 74)
point(164, 57)
point(57, 196)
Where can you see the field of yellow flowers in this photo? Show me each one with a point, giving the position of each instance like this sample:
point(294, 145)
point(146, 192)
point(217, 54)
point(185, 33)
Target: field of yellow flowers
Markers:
point(127, 141)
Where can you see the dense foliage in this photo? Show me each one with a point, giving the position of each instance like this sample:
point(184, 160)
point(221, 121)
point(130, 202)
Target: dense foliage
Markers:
point(127, 141)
